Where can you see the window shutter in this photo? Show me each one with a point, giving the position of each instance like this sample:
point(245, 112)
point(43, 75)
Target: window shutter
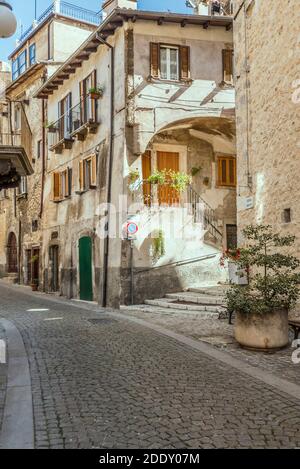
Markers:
point(154, 59)
point(81, 176)
point(227, 65)
point(184, 62)
point(56, 186)
point(69, 178)
point(82, 101)
point(94, 101)
point(94, 171)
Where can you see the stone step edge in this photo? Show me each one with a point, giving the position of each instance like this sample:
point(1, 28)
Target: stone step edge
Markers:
point(168, 303)
point(201, 299)
point(153, 309)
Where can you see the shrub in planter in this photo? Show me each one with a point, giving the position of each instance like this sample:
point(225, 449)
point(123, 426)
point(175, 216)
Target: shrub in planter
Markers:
point(263, 305)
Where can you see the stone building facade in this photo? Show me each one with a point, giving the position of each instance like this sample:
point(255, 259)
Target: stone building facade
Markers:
point(166, 102)
point(267, 51)
point(40, 51)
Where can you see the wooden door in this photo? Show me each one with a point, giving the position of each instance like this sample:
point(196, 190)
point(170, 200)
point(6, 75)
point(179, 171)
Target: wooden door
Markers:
point(36, 265)
point(85, 269)
point(168, 161)
point(54, 257)
point(146, 168)
point(12, 254)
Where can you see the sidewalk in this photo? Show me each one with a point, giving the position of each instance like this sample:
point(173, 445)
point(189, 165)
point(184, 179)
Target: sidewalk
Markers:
point(3, 380)
point(220, 334)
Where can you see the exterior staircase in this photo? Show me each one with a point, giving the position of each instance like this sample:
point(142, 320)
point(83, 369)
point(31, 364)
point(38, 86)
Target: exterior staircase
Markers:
point(208, 302)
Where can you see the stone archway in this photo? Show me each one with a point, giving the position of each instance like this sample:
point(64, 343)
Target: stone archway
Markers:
point(12, 254)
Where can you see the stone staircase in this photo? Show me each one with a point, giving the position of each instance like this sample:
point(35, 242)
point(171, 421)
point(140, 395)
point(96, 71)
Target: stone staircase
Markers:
point(205, 301)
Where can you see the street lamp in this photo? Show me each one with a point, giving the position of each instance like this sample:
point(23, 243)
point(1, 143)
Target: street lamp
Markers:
point(8, 22)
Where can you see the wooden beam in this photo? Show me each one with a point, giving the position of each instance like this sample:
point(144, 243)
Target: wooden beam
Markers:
point(160, 21)
point(205, 25)
point(184, 23)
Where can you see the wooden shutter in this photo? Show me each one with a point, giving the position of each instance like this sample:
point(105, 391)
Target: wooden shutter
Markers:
point(154, 59)
point(69, 177)
point(227, 65)
point(227, 171)
point(82, 101)
point(184, 62)
point(81, 176)
point(94, 171)
point(56, 186)
point(146, 168)
point(94, 101)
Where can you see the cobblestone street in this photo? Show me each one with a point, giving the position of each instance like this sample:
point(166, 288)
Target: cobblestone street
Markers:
point(100, 381)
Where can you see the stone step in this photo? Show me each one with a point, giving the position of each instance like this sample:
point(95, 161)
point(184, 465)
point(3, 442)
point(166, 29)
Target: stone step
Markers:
point(145, 308)
point(197, 298)
point(169, 303)
point(10, 279)
point(210, 291)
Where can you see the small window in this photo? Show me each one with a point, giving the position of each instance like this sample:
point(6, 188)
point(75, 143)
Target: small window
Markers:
point(61, 185)
point(168, 62)
point(228, 65)
point(88, 173)
point(32, 58)
point(34, 225)
point(287, 215)
point(227, 171)
point(22, 62)
point(39, 149)
point(23, 186)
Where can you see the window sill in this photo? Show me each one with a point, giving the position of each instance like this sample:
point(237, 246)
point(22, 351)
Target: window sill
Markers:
point(84, 191)
point(186, 82)
point(22, 196)
point(61, 200)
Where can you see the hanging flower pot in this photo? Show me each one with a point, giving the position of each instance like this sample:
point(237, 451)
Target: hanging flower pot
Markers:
point(95, 93)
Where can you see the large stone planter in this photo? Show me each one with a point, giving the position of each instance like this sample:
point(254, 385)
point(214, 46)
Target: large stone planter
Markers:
point(264, 332)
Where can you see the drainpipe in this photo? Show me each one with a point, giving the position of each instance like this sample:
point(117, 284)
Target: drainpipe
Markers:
point(110, 167)
point(43, 157)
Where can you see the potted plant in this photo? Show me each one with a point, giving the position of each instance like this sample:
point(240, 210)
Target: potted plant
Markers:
point(262, 306)
point(179, 180)
point(157, 177)
point(96, 92)
point(51, 127)
point(34, 285)
point(133, 176)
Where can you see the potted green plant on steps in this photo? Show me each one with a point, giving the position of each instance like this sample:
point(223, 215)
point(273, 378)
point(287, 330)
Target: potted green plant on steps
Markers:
point(262, 306)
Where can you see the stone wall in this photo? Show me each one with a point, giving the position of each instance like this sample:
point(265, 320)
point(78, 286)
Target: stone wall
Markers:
point(267, 73)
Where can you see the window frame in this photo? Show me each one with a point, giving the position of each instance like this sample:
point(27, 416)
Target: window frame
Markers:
point(220, 180)
point(32, 58)
point(168, 48)
point(91, 163)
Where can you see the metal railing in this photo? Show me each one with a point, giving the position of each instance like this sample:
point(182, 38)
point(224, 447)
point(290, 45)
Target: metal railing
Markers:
point(211, 7)
point(19, 137)
point(68, 10)
point(85, 112)
point(201, 211)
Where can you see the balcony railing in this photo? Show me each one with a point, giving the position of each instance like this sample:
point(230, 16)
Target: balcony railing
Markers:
point(150, 194)
point(68, 10)
point(212, 7)
point(77, 122)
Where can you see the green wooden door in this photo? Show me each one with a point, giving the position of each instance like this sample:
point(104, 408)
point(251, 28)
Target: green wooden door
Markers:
point(85, 269)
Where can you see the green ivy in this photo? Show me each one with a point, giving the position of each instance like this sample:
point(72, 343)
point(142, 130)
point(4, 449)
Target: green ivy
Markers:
point(158, 244)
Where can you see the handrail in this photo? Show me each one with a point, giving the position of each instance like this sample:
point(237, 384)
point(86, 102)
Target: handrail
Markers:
point(192, 260)
point(195, 201)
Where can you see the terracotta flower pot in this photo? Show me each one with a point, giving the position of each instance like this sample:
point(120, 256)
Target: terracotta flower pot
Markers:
point(264, 332)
